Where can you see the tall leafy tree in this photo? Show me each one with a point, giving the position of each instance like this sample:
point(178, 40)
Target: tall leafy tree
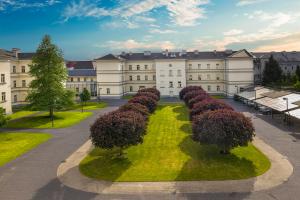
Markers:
point(272, 72)
point(298, 72)
point(47, 89)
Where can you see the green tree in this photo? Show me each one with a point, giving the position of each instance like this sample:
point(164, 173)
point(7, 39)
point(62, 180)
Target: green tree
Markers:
point(272, 72)
point(84, 97)
point(3, 117)
point(47, 89)
point(298, 72)
point(297, 86)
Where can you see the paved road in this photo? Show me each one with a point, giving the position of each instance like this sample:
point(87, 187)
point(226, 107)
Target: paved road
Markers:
point(33, 176)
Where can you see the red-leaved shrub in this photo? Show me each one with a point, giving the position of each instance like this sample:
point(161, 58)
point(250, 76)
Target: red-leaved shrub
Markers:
point(146, 101)
point(189, 95)
point(147, 94)
point(208, 105)
point(197, 99)
point(188, 89)
point(118, 129)
point(225, 128)
point(136, 107)
point(152, 90)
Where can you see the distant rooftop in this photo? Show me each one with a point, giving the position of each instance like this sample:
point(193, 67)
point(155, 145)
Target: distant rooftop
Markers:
point(79, 65)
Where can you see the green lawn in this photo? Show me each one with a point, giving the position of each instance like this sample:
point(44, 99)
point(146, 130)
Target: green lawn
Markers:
point(61, 120)
point(88, 106)
point(127, 97)
point(169, 154)
point(13, 145)
point(20, 114)
point(217, 96)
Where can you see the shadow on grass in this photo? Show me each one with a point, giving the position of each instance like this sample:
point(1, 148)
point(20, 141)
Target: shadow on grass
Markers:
point(104, 165)
point(182, 112)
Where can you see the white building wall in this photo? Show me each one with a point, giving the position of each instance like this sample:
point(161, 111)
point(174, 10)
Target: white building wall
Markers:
point(5, 87)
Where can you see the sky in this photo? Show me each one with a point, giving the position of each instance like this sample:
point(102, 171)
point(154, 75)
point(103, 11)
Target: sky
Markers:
point(88, 29)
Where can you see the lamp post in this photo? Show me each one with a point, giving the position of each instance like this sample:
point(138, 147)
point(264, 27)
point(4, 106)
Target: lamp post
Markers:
point(237, 89)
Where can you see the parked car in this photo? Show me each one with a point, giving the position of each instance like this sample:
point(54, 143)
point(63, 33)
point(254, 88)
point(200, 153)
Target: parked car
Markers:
point(265, 110)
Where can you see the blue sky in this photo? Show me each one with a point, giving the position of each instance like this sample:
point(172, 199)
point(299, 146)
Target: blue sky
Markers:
point(86, 29)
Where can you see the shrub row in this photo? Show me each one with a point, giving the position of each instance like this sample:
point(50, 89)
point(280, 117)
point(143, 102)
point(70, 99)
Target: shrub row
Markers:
point(127, 125)
point(215, 122)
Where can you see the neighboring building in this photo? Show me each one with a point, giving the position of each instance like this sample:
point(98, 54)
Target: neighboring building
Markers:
point(218, 72)
point(288, 61)
point(6, 58)
point(82, 74)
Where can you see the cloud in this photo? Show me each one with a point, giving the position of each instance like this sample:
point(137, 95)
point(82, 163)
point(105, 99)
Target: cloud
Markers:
point(20, 4)
point(233, 32)
point(159, 31)
point(288, 43)
point(274, 19)
point(181, 12)
point(249, 2)
point(132, 44)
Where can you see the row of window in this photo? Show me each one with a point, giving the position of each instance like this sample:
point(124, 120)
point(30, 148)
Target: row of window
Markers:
point(23, 69)
point(171, 85)
point(170, 73)
point(138, 67)
point(23, 83)
point(85, 79)
point(199, 78)
point(138, 78)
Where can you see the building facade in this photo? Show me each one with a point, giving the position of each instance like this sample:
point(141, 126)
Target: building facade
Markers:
point(218, 72)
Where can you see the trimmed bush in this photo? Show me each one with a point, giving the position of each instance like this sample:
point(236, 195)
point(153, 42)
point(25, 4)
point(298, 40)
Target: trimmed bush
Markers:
point(189, 95)
point(136, 107)
point(188, 89)
point(152, 90)
point(148, 94)
point(118, 129)
point(208, 105)
point(225, 128)
point(146, 101)
point(197, 99)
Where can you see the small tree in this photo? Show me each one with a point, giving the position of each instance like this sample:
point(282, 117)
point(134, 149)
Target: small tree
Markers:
point(297, 86)
point(118, 130)
point(224, 128)
point(84, 97)
point(272, 72)
point(47, 89)
point(208, 105)
point(3, 117)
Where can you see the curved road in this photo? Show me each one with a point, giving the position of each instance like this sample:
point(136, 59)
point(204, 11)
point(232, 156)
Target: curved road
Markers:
point(33, 175)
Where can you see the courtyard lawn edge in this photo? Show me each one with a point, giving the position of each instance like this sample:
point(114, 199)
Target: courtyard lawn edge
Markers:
point(16, 144)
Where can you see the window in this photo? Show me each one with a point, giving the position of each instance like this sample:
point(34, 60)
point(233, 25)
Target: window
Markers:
point(137, 67)
point(208, 66)
point(130, 67)
point(190, 66)
point(218, 88)
point(78, 79)
point(199, 66)
point(77, 89)
point(3, 96)
point(208, 88)
point(218, 78)
point(23, 69)
point(2, 78)
point(217, 64)
point(154, 77)
point(138, 77)
point(179, 84)
point(170, 65)
point(146, 77)
point(191, 77)
point(92, 80)
point(130, 78)
point(15, 84)
point(162, 73)
point(15, 98)
point(178, 72)
point(84, 79)
point(130, 88)
point(146, 67)
point(72, 79)
point(107, 90)
point(171, 84)
point(199, 77)
point(23, 83)
point(14, 69)
point(208, 76)
point(170, 73)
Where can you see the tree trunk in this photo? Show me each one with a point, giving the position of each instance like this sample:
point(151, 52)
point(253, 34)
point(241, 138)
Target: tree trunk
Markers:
point(225, 151)
point(51, 112)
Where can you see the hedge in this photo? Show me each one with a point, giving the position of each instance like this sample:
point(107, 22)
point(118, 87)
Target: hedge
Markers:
point(152, 90)
point(188, 89)
point(146, 101)
point(197, 99)
point(136, 107)
point(148, 94)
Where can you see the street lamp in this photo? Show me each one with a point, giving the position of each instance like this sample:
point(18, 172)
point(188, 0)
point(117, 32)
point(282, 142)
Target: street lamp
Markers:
point(287, 106)
point(237, 89)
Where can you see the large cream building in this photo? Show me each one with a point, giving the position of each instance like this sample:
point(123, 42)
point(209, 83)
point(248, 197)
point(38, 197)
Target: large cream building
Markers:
point(112, 76)
point(218, 72)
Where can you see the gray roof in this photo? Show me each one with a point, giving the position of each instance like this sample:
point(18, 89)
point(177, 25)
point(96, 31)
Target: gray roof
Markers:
point(82, 72)
point(80, 64)
point(25, 56)
point(284, 56)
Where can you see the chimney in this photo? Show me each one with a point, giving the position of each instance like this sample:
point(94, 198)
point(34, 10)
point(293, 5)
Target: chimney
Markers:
point(183, 52)
point(196, 52)
point(16, 51)
point(215, 52)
